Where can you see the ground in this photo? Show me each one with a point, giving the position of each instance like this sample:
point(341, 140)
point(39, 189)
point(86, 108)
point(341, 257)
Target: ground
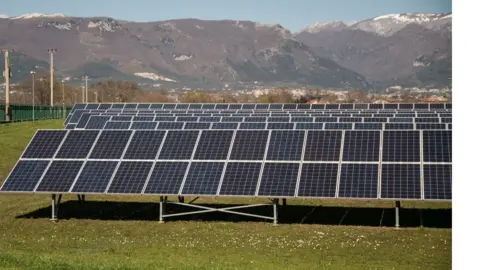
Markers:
point(110, 232)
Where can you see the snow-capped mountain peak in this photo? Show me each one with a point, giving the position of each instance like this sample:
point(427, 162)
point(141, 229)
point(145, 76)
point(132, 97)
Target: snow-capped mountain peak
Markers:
point(412, 17)
point(326, 25)
point(38, 15)
point(3, 16)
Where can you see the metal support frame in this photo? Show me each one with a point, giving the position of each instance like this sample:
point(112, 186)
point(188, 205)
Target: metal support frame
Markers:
point(55, 204)
point(206, 209)
point(81, 198)
point(397, 214)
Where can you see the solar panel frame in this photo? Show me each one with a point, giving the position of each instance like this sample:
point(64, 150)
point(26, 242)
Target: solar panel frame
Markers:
point(400, 182)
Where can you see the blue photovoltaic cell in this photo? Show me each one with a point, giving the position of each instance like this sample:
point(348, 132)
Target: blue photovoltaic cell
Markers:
point(309, 126)
point(143, 125)
point(121, 118)
point(232, 119)
point(199, 125)
point(156, 106)
point(59, 176)
point(450, 126)
point(255, 119)
point(303, 106)
point(276, 106)
point(285, 145)
point(318, 180)
point(290, 106)
point(427, 115)
point(104, 106)
point(318, 106)
point(166, 178)
point(221, 107)
point(182, 106)
point(209, 119)
point(249, 145)
point(338, 126)
point(400, 181)
point(224, 125)
point(390, 106)
point(280, 125)
point(195, 106)
point(97, 122)
point(118, 106)
point(111, 144)
point(241, 179)
point(118, 125)
point(44, 144)
point(371, 126)
point(278, 119)
point(279, 179)
point(401, 146)
point(427, 126)
point(79, 106)
point(421, 106)
point(165, 118)
point(383, 115)
point(399, 126)
point(208, 106)
point(143, 106)
point(375, 120)
point(95, 176)
point(143, 118)
point(179, 145)
point(252, 125)
point(437, 181)
point(170, 125)
point(361, 106)
point(235, 106)
point(203, 178)
point(437, 146)
point(92, 106)
point(70, 126)
point(130, 106)
point(25, 175)
point(346, 106)
point(427, 120)
point(213, 144)
point(144, 144)
point(303, 119)
point(401, 119)
point(406, 106)
point(323, 146)
point(76, 116)
point(326, 119)
point(187, 119)
point(446, 120)
point(350, 119)
point(358, 181)
point(130, 177)
point(77, 144)
point(84, 120)
point(332, 106)
point(361, 145)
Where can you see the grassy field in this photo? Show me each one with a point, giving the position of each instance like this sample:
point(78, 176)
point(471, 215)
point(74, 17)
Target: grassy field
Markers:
point(112, 232)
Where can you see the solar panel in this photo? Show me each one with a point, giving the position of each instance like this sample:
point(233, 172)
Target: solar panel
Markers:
point(249, 145)
point(203, 178)
point(401, 120)
point(97, 122)
point(130, 106)
point(77, 144)
point(350, 119)
point(255, 119)
point(209, 119)
point(401, 146)
point(437, 181)
point(233, 119)
point(448, 105)
point(121, 118)
point(25, 175)
point(318, 180)
point(332, 106)
point(241, 178)
point(193, 125)
point(143, 106)
point(105, 106)
point(399, 126)
point(376, 106)
point(280, 125)
point(421, 106)
point(276, 106)
point(213, 145)
point(375, 120)
point(285, 145)
point(390, 106)
point(82, 122)
point(224, 125)
point(450, 126)
point(318, 106)
point(111, 144)
point(166, 178)
point(279, 179)
point(371, 126)
point(340, 126)
point(304, 119)
point(405, 106)
point(182, 106)
point(309, 126)
point(195, 106)
point(91, 106)
point(290, 106)
point(70, 126)
point(95, 176)
point(143, 125)
point(326, 119)
point(400, 181)
point(358, 181)
point(76, 116)
point(59, 176)
point(252, 125)
point(278, 119)
point(118, 125)
point(446, 120)
point(179, 145)
point(248, 106)
point(361, 146)
point(235, 106)
point(170, 125)
point(130, 177)
point(437, 146)
point(208, 106)
point(79, 106)
point(427, 120)
point(118, 106)
point(429, 126)
point(323, 146)
point(143, 118)
point(144, 144)
point(44, 144)
point(303, 106)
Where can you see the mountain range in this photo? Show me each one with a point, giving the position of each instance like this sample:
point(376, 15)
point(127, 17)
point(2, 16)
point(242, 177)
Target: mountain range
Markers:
point(396, 49)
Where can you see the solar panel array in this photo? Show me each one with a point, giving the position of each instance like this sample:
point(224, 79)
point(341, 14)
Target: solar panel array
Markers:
point(368, 164)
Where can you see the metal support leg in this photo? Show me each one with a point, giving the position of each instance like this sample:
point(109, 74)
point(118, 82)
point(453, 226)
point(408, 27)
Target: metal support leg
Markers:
point(275, 214)
point(284, 201)
point(83, 197)
point(181, 199)
point(161, 210)
point(79, 197)
point(397, 214)
point(421, 217)
point(54, 207)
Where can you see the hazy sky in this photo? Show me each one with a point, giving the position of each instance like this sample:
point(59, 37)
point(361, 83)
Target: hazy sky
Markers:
point(291, 14)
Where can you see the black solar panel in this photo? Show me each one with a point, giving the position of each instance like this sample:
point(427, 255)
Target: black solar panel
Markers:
point(361, 106)
point(92, 106)
point(285, 145)
point(437, 146)
point(95, 176)
point(318, 106)
point(409, 126)
point(326, 119)
point(318, 180)
point(143, 106)
point(213, 144)
point(118, 106)
point(202, 125)
point(232, 119)
point(448, 105)
point(401, 146)
point(421, 106)
point(304, 119)
point(235, 106)
point(252, 125)
point(203, 178)
point(209, 119)
point(361, 146)
point(280, 125)
point(143, 118)
point(338, 126)
point(278, 119)
point(97, 122)
point(104, 106)
point(437, 181)
point(59, 176)
point(78, 106)
point(166, 178)
point(332, 106)
point(400, 181)
point(375, 106)
point(279, 179)
point(358, 181)
point(309, 126)
point(224, 125)
point(76, 116)
point(182, 106)
point(350, 119)
point(208, 106)
point(446, 120)
point(401, 119)
point(170, 125)
point(44, 144)
point(406, 106)
point(255, 119)
point(290, 106)
point(144, 144)
point(429, 126)
point(77, 144)
point(130, 177)
point(241, 178)
point(84, 120)
point(375, 119)
point(165, 119)
point(371, 126)
point(427, 120)
point(249, 145)
point(121, 118)
point(70, 126)
point(179, 145)
point(111, 144)
point(276, 106)
point(130, 106)
point(323, 146)
point(118, 125)
point(143, 125)
point(25, 175)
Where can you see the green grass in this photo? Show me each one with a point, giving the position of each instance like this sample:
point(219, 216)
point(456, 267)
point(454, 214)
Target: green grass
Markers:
point(78, 242)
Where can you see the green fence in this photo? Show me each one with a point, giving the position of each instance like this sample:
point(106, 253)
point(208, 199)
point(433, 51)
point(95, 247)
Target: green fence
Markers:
point(19, 112)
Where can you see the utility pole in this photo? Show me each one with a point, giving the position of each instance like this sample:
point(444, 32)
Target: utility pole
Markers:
point(51, 51)
point(63, 97)
point(33, 93)
point(7, 74)
point(96, 96)
point(86, 88)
